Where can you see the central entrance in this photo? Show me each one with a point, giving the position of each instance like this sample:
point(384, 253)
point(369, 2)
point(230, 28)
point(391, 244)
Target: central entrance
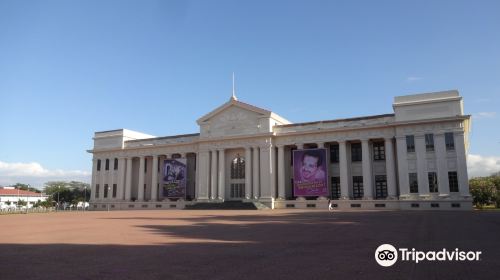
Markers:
point(235, 189)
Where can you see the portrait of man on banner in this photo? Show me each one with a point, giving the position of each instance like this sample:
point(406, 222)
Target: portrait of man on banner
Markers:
point(310, 172)
point(174, 178)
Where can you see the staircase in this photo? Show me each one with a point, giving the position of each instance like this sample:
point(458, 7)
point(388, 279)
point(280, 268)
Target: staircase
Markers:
point(226, 205)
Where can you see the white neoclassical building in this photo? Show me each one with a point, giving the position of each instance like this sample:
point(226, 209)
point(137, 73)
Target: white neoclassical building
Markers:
point(413, 158)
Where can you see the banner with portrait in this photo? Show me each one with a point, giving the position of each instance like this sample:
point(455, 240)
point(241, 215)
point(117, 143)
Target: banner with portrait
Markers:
point(310, 173)
point(174, 178)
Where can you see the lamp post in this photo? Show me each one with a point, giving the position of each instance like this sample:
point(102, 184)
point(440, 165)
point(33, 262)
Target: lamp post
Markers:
point(27, 199)
point(84, 197)
point(109, 188)
point(58, 191)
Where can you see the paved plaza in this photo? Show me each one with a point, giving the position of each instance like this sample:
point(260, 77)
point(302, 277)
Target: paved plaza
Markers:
point(278, 244)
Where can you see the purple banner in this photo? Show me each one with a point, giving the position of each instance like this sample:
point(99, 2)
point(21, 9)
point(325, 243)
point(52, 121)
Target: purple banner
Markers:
point(174, 178)
point(310, 172)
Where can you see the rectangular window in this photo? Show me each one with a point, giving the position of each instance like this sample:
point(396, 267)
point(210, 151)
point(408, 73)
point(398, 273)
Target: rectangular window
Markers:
point(356, 154)
point(115, 166)
point(145, 165)
point(429, 142)
point(410, 144)
point(114, 190)
point(335, 187)
point(159, 164)
point(97, 191)
point(106, 190)
point(380, 186)
point(378, 151)
point(413, 182)
point(107, 164)
point(453, 179)
point(291, 153)
point(450, 141)
point(433, 183)
point(98, 165)
point(357, 187)
point(334, 153)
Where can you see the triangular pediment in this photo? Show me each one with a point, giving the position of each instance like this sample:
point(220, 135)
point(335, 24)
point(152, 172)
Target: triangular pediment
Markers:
point(234, 104)
point(237, 118)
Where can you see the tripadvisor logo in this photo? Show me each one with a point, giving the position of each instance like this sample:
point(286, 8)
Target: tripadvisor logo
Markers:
point(387, 255)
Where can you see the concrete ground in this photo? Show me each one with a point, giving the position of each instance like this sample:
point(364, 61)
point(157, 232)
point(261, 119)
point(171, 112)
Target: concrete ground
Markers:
point(278, 244)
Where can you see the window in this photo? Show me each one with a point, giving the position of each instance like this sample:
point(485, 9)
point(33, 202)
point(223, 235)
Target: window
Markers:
point(107, 164)
point(453, 181)
point(291, 153)
point(106, 190)
point(334, 153)
point(114, 190)
point(335, 187)
point(413, 182)
point(378, 151)
point(159, 165)
point(357, 187)
point(97, 191)
point(98, 165)
point(145, 165)
point(356, 154)
point(450, 141)
point(433, 183)
point(115, 166)
point(380, 186)
point(429, 142)
point(410, 144)
point(238, 167)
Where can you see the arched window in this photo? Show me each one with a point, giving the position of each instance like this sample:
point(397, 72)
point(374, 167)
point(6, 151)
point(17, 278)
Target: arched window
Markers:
point(238, 167)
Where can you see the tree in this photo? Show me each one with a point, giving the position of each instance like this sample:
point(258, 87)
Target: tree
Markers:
point(25, 187)
point(21, 202)
point(483, 191)
point(71, 192)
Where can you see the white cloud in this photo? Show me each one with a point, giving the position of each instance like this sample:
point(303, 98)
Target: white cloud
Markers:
point(484, 115)
point(413, 79)
point(35, 174)
point(478, 165)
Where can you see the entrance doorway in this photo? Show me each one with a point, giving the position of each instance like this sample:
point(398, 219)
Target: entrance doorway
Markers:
point(237, 178)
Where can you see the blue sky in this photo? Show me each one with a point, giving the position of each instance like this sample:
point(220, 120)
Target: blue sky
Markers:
point(70, 68)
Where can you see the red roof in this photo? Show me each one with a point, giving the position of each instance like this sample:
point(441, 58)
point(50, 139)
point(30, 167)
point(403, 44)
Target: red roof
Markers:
point(16, 192)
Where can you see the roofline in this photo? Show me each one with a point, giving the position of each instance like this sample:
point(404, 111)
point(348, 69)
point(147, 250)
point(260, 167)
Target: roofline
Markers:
point(338, 120)
point(106, 131)
point(165, 137)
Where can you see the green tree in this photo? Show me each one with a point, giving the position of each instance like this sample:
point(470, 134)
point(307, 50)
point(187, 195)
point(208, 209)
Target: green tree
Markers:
point(71, 192)
point(483, 191)
point(25, 187)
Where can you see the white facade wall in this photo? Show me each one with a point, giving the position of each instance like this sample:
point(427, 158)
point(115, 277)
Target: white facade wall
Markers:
point(266, 142)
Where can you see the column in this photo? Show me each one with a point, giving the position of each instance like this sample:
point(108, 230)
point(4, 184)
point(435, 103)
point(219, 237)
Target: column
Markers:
point(321, 145)
point(390, 169)
point(463, 178)
point(154, 179)
point(420, 152)
point(128, 180)
point(203, 171)
point(367, 169)
point(281, 172)
point(222, 175)
point(256, 173)
point(248, 173)
point(344, 171)
point(213, 176)
point(442, 166)
point(266, 171)
point(121, 178)
point(140, 190)
point(404, 183)
point(94, 179)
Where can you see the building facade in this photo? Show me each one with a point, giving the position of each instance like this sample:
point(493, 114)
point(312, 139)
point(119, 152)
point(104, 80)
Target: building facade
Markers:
point(413, 158)
point(9, 197)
